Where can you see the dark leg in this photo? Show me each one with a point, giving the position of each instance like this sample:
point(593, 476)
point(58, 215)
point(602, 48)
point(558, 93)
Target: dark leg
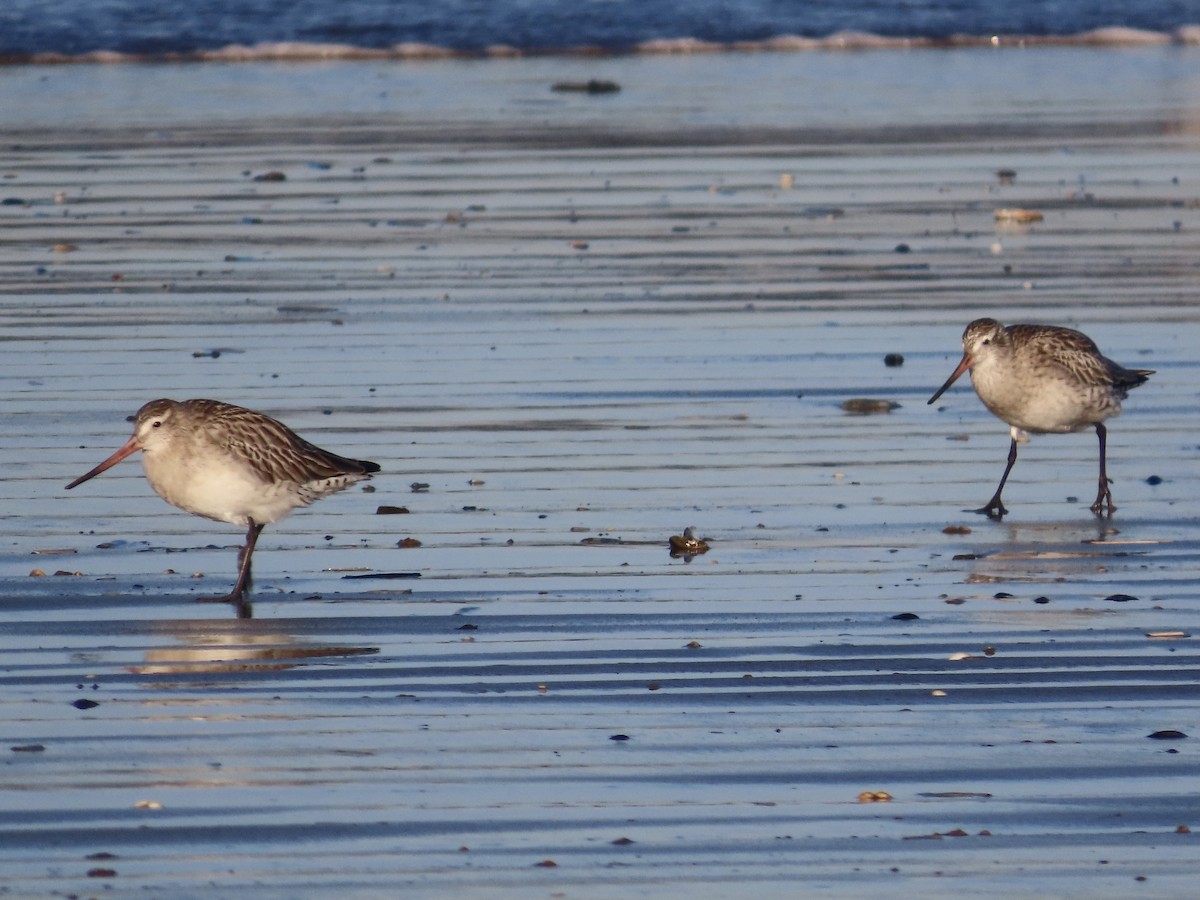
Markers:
point(238, 594)
point(1104, 494)
point(994, 509)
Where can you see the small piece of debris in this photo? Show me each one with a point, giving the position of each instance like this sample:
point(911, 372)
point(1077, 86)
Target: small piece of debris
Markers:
point(28, 748)
point(894, 360)
point(546, 864)
point(591, 86)
point(271, 176)
point(1167, 635)
point(687, 544)
point(865, 406)
point(874, 797)
point(1018, 216)
point(408, 543)
point(1167, 735)
point(625, 842)
point(1006, 176)
point(618, 737)
point(1120, 598)
point(391, 510)
point(85, 704)
point(905, 617)
point(956, 529)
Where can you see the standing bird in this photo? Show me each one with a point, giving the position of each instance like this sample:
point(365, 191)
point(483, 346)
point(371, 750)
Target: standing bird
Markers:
point(1043, 379)
point(233, 465)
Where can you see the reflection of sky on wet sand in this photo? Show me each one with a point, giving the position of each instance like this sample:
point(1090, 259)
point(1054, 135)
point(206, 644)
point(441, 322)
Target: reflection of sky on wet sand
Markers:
point(586, 333)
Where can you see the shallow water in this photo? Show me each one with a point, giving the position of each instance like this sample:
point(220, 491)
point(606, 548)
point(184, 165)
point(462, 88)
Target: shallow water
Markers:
point(583, 349)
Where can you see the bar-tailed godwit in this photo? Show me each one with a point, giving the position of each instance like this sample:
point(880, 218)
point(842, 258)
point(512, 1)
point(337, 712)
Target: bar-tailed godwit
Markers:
point(1044, 379)
point(233, 465)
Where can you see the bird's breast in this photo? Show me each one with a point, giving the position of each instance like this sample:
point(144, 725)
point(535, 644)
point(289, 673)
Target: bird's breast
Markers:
point(221, 487)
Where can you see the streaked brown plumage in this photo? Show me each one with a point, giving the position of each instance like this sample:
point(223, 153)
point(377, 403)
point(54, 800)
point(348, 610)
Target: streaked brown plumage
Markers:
point(1044, 379)
point(233, 465)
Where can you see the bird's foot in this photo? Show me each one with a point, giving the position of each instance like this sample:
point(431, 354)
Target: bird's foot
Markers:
point(238, 599)
point(993, 510)
point(234, 597)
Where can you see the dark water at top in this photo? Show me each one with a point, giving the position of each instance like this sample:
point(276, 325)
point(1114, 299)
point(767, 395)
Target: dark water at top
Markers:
point(154, 28)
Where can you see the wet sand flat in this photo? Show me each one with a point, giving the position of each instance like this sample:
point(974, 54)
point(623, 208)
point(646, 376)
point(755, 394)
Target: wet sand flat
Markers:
point(579, 325)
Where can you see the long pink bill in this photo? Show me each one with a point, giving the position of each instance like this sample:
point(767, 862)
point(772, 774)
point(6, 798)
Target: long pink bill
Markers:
point(962, 367)
point(129, 447)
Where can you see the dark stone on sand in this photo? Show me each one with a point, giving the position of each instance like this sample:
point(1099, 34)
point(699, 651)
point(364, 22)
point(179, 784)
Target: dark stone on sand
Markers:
point(1120, 598)
point(85, 704)
point(893, 360)
point(618, 737)
point(903, 248)
point(958, 556)
point(905, 617)
point(1167, 735)
point(28, 748)
point(1001, 595)
point(271, 176)
point(12, 201)
point(1154, 479)
point(391, 510)
point(1041, 599)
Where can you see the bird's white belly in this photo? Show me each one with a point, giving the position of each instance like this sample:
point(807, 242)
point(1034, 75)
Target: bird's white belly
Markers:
point(221, 489)
point(1049, 406)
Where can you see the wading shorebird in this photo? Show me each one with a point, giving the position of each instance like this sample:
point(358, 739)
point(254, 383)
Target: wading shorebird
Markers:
point(232, 465)
point(1043, 379)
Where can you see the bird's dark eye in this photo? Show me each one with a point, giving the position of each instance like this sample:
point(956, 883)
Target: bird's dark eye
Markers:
point(986, 341)
point(157, 423)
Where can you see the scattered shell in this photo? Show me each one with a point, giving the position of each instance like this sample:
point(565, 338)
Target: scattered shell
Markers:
point(956, 529)
point(64, 248)
point(147, 804)
point(408, 543)
point(1167, 635)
